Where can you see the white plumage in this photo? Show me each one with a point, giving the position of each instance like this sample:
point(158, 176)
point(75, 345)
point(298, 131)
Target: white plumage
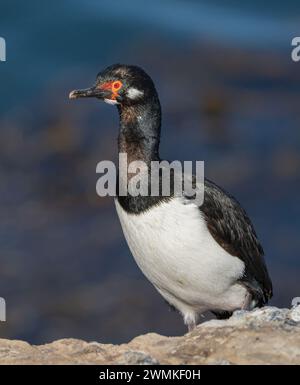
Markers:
point(134, 93)
point(173, 247)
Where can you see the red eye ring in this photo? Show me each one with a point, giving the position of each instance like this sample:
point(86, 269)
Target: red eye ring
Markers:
point(116, 85)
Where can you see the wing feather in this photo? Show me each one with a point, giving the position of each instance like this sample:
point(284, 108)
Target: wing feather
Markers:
point(229, 224)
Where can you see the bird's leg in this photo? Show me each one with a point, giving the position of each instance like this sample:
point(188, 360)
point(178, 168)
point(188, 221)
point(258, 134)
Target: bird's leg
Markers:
point(190, 321)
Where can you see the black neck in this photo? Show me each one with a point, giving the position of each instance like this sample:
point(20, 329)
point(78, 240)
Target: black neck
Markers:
point(139, 138)
point(139, 134)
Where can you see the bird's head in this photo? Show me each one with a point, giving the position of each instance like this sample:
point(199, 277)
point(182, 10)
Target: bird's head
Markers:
point(120, 84)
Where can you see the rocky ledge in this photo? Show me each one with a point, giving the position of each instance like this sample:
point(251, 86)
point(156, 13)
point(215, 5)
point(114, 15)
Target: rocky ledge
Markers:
point(263, 336)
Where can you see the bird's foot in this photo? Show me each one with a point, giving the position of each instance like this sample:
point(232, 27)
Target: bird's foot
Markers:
point(247, 302)
point(191, 326)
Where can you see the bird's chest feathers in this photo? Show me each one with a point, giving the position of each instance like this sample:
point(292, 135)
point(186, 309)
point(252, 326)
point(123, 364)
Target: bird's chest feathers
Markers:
point(172, 245)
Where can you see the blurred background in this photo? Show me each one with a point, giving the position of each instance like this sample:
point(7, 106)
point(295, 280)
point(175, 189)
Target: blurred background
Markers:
point(230, 95)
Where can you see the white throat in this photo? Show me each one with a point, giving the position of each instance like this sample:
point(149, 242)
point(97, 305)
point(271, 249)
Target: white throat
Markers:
point(111, 101)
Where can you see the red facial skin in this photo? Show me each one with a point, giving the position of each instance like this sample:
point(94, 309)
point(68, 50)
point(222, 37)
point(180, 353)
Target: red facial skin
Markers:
point(114, 87)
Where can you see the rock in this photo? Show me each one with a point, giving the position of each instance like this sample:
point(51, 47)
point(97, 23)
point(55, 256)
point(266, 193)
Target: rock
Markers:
point(262, 336)
point(295, 314)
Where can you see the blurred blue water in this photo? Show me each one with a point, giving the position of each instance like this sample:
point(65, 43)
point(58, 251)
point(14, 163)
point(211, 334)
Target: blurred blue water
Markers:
point(45, 40)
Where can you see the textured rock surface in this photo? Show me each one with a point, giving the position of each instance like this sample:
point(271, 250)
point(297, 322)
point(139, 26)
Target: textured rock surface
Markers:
point(264, 336)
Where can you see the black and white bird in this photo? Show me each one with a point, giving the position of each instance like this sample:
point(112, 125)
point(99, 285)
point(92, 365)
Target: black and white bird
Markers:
point(200, 259)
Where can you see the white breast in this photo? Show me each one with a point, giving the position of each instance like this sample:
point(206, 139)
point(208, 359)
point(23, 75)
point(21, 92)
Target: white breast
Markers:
point(173, 247)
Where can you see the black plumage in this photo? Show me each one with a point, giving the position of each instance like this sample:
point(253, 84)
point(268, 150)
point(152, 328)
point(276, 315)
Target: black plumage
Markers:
point(231, 227)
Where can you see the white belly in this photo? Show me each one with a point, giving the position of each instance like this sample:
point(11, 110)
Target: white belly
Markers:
point(173, 247)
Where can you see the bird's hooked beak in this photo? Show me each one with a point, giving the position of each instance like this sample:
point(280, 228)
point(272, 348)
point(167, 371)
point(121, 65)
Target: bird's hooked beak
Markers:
point(92, 92)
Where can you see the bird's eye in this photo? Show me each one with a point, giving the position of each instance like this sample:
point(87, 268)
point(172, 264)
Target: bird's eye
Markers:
point(116, 85)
